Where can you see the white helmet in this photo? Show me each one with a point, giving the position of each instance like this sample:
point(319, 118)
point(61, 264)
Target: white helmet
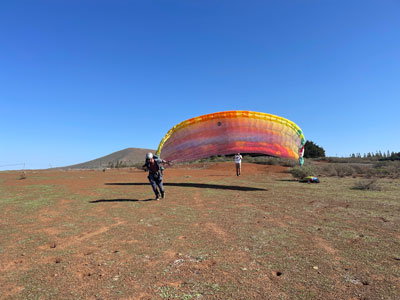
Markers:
point(149, 155)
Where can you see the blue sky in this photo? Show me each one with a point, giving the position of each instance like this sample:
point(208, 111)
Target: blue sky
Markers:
point(82, 79)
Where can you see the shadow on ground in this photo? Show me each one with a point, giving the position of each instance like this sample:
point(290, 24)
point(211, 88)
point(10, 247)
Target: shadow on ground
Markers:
point(195, 185)
point(119, 200)
point(288, 180)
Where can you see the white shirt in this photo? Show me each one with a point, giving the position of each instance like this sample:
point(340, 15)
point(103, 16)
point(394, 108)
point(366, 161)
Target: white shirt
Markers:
point(238, 159)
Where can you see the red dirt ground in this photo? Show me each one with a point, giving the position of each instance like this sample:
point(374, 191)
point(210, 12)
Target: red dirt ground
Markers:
point(100, 235)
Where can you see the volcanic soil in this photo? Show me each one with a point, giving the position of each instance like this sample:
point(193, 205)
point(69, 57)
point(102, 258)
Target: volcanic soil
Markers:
point(89, 234)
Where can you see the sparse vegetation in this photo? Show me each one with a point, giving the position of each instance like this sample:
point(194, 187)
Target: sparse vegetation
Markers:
point(270, 160)
point(93, 235)
point(385, 169)
point(356, 167)
point(367, 185)
point(301, 172)
point(247, 158)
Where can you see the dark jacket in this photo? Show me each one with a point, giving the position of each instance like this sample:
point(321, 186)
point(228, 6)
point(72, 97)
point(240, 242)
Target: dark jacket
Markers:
point(158, 161)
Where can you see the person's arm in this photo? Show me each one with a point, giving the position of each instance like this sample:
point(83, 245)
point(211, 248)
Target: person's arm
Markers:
point(159, 160)
point(166, 162)
point(145, 167)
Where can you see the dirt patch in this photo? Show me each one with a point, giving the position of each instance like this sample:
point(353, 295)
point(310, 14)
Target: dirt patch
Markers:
point(100, 235)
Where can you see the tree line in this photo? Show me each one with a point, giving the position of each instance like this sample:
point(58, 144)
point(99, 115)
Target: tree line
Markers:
point(378, 154)
point(312, 150)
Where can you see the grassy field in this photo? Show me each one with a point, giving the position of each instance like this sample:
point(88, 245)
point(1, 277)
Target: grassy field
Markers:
point(99, 235)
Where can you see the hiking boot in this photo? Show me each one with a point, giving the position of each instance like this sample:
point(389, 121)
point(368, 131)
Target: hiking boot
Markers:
point(163, 195)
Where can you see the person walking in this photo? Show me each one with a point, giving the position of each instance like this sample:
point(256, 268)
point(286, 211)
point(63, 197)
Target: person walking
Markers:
point(238, 163)
point(153, 164)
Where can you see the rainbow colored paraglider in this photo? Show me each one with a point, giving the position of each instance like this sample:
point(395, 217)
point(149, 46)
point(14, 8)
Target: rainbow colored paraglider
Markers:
point(232, 132)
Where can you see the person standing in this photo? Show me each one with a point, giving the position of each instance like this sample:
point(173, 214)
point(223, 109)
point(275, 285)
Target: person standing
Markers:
point(238, 163)
point(154, 165)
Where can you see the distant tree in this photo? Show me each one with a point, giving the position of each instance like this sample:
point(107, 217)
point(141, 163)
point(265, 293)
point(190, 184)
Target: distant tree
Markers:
point(393, 156)
point(312, 150)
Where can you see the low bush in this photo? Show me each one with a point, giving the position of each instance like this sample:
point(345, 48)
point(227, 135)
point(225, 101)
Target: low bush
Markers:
point(360, 169)
point(370, 185)
point(348, 159)
point(262, 160)
point(327, 170)
point(343, 170)
point(270, 160)
point(301, 172)
point(385, 169)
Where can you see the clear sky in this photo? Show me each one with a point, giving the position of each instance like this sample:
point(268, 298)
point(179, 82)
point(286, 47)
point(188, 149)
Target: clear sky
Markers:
point(82, 79)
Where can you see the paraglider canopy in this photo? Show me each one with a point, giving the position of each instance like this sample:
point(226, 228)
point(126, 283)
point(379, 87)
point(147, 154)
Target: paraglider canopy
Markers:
point(231, 132)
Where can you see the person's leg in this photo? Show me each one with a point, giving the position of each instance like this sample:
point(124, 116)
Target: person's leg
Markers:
point(153, 185)
point(160, 186)
point(237, 169)
point(240, 168)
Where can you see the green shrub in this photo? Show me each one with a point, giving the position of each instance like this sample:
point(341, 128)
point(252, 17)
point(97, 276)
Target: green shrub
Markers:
point(301, 172)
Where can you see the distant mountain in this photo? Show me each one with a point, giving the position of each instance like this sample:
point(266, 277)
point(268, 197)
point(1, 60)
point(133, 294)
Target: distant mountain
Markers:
point(123, 158)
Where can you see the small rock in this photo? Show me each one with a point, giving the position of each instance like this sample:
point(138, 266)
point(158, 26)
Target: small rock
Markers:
point(355, 281)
